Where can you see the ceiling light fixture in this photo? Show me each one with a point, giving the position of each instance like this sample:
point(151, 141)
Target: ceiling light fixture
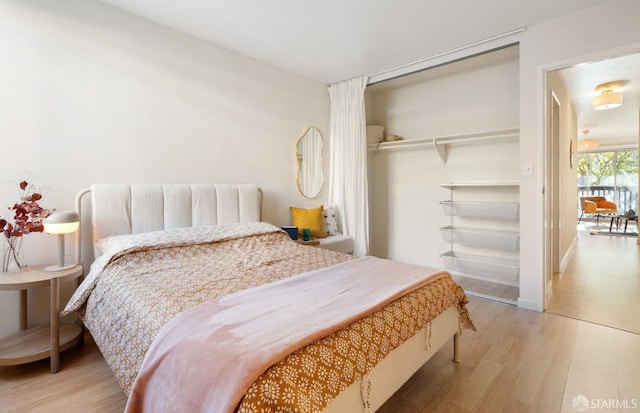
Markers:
point(608, 96)
point(587, 144)
point(607, 100)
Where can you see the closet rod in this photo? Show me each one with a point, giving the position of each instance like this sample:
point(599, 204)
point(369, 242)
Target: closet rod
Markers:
point(440, 54)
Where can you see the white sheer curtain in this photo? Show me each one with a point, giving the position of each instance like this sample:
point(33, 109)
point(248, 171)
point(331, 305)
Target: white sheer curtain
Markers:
point(348, 161)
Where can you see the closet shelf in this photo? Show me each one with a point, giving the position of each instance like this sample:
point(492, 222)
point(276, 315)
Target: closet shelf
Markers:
point(440, 143)
point(481, 184)
point(499, 270)
point(485, 238)
point(487, 210)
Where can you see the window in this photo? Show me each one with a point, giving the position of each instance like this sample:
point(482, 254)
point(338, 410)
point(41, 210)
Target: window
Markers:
point(612, 174)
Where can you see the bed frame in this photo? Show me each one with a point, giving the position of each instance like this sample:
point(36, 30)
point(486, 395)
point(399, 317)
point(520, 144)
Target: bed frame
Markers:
point(130, 209)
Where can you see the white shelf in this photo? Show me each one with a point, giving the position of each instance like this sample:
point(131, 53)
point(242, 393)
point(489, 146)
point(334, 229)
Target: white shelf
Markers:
point(485, 238)
point(35, 343)
point(440, 143)
point(486, 210)
point(481, 184)
point(493, 268)
point(503, 269)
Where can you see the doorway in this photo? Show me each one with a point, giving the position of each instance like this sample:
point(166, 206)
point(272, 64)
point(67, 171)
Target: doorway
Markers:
point(566, 250)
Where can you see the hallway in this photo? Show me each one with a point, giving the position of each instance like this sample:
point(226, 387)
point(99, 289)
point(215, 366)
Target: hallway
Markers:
point(601, 282)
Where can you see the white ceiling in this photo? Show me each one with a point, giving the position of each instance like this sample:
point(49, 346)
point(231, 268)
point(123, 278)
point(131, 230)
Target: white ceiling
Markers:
point(334, 40)
point(581, 81)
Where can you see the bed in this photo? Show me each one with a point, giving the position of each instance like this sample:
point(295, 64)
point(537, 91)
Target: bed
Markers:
point(182, 278)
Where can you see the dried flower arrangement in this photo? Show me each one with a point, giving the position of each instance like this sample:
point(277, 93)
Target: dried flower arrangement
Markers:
point(28, 215)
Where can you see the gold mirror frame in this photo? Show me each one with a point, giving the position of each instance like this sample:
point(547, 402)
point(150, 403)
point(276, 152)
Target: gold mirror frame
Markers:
point(310, 171)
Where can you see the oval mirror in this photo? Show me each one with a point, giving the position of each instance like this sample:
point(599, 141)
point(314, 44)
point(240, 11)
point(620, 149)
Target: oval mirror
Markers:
point(310, 175)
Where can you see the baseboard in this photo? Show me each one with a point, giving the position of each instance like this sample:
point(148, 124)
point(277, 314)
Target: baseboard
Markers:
point(548, 293)
point(529, 305)
point(567, 256)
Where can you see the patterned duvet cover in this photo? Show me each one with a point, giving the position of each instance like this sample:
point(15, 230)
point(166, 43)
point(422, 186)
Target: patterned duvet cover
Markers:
point(143, 281)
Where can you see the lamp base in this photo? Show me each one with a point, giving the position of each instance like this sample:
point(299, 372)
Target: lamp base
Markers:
point(59, 268)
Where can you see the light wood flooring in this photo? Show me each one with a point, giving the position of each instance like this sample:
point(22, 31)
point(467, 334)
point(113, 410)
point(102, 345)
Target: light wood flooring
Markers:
point(601, 282)
point(517, 361)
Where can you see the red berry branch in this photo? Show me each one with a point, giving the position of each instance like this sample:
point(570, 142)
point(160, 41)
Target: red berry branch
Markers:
point(28, 215)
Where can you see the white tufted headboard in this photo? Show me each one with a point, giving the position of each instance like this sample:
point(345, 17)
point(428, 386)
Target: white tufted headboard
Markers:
point(133, 209)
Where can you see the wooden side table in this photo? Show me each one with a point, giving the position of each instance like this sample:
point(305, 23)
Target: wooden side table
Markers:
point(312, 241)
point(36, 343)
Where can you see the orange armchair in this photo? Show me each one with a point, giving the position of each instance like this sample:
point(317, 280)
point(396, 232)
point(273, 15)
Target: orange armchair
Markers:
point(597, 205)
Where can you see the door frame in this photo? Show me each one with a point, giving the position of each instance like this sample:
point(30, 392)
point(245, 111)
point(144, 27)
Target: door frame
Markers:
point(552, 192)
point(548, 175)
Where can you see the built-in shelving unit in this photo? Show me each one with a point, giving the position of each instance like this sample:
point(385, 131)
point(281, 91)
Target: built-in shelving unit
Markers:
point(494, 269)
point(487, 265)
point(484, 238)
point(439, 143)
point(486, 210)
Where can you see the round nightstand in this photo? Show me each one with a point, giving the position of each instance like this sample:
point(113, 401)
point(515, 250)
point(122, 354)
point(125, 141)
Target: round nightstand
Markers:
point(36, 343)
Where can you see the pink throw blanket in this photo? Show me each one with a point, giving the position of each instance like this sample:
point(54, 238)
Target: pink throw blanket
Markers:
point(206, 358)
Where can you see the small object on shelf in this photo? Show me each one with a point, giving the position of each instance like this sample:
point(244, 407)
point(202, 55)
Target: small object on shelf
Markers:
point(375, 134)
point(306, 234)
point(392, 138)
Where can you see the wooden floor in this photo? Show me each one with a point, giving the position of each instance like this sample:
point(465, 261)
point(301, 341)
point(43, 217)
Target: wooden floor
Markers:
point(525, 361)
point(518, 361)
point(601, 282)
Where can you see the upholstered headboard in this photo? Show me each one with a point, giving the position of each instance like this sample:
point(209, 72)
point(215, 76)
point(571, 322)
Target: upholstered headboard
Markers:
point(133, 209)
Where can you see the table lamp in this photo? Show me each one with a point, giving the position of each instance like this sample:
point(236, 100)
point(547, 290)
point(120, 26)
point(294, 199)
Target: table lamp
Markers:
point(61, 223)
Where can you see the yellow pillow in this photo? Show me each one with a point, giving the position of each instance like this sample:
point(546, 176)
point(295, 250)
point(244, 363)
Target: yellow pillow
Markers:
point(308, 218)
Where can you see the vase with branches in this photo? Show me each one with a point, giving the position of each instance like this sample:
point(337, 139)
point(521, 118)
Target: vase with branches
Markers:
point(28, 216)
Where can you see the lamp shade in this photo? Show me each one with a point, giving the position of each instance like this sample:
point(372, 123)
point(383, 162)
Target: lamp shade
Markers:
point(61, 222)
point(587, 144)
point(607, 100)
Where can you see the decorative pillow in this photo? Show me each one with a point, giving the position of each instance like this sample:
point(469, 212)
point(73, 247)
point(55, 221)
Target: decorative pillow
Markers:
point(308, 218)
point(330, 224)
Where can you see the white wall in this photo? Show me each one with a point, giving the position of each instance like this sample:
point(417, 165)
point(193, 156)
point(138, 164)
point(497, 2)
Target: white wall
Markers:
point(567, 176)
point(578, 37)
point(89, 94)
point(479, 94)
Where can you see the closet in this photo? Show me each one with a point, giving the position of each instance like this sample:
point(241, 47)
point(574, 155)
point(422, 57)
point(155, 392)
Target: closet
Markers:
point(447, 194)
